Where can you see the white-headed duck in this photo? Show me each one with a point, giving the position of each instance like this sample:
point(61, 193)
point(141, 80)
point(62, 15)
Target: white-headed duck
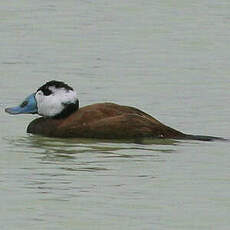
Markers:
point(58, 105)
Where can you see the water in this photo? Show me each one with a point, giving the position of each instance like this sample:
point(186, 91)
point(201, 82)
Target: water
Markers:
point(168, 59)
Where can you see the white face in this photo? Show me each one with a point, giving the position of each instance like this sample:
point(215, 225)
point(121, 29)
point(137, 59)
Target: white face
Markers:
point(53, 104)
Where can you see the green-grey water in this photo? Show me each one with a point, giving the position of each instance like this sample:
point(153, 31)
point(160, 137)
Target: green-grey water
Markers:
point(170, 59)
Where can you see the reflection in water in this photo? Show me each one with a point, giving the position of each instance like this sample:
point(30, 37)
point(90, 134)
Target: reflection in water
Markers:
point(65, 168)
point(54, 149)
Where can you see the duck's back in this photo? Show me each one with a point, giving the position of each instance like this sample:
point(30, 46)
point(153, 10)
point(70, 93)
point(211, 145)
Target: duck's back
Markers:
point(104, 120)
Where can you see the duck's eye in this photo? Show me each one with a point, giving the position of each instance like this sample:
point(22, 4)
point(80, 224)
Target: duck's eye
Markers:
point(24, 103)
point(46, 91)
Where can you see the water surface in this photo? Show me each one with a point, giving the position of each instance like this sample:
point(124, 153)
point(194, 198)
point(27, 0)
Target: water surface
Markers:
point(168, 59)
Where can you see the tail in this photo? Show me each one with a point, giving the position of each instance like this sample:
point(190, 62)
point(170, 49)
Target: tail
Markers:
point(204, 138)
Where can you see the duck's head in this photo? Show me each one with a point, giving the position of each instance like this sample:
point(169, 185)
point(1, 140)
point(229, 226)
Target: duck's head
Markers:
point(55, 99)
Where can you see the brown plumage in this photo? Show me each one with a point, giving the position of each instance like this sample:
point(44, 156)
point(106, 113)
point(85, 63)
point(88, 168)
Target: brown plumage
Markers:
point(104, 120)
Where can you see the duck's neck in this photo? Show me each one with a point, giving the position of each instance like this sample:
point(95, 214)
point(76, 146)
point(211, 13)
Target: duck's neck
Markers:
point(67, 111)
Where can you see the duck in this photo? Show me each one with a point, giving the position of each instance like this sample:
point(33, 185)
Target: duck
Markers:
point(58, 105)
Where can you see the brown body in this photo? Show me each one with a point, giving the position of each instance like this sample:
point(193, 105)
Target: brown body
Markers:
point(104, 120)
